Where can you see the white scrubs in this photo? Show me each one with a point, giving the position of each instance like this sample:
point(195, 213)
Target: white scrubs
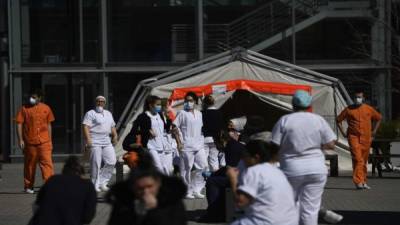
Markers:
point(159, 146)
point(100, 125)
point(215, 159)
point(302, 160)
point(273, 201)
point(192, 154)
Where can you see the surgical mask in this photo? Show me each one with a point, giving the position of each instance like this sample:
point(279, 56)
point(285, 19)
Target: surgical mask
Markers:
point(358, 100)
point(33, 101)
point(99, 109)
point(157, 108)
point(188, 105)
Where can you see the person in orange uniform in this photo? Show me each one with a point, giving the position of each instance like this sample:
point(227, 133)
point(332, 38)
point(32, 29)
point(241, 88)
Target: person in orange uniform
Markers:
point(360, 134)
point(34, 138)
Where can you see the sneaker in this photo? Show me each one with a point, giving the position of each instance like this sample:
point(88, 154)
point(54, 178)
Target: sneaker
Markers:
point(198, 195)
point(332, 217)
point(29, 191)
point(365, 186)
point(189, 196)
point(98, 190)
point(104, 188)
point(360, 186)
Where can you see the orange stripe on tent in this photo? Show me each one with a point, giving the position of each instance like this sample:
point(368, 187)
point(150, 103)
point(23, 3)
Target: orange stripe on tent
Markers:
point(258, 86)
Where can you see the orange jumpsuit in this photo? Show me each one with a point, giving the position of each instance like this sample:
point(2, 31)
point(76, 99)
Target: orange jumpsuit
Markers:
point(38, 146)
point(359, 135)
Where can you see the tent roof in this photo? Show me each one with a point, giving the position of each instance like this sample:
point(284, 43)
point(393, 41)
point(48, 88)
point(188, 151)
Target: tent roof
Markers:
point(224, 59)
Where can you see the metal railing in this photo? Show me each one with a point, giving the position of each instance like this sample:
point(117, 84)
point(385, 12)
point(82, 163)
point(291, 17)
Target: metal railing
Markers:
point(246, 31)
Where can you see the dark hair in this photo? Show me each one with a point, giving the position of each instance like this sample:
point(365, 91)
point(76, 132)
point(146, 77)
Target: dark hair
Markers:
point(299, 108)
point(73, 166)
point(193, 95)
point(208, 100)
point(150, 100)
point(265, 150)
point(145, 167)
point(37, 92)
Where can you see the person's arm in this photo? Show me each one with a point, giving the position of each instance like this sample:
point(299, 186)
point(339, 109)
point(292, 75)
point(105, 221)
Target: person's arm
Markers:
point(329, 145)
point(114, 135)
point(49, 128)
point(242, 199)
point(328, 137)
point(21, 142)
point(86, 135)
point(376, 127)
point(339, 121)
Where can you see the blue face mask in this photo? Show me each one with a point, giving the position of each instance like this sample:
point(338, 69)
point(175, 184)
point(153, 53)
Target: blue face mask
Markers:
point(188, 106)
point(157, 108)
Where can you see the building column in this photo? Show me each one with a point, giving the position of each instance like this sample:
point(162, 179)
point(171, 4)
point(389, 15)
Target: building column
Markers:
point(199, 30)
point(381, 53)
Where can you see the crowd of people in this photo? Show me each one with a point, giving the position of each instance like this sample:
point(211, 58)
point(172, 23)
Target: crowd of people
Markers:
point(276, 177)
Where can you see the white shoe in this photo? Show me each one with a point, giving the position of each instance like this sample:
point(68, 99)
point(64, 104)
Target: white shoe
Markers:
point(98, 190)
point(366, 186)
point(198, 195)
point(104, 188)
point(29, 191)
point(189, 196)
point(332, 217)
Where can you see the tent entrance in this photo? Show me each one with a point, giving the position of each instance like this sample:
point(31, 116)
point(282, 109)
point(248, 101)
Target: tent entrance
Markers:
point(245, 103)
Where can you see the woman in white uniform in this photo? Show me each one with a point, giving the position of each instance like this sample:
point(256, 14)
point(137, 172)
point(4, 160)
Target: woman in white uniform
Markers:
point(301, 137)
point(189, 121)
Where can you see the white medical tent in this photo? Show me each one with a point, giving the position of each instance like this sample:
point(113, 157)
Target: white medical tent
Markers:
point(243, 82)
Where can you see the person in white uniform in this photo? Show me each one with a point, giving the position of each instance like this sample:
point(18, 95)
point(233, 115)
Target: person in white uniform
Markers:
point(98, 124)
point(189, 121)
point(261, 189)
point(301, 137)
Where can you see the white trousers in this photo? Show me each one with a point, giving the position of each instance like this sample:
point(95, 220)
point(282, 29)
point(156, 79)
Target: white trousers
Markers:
point(101, 175)
point(216, 159)
point(308, 191)
point(163, 161)
point(194, 180)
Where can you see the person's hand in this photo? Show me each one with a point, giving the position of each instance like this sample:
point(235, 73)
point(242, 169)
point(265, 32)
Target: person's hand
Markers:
point(150, 201)
point(114, 140)
point(89, 143)
point(180, 146)
point(232, 173)
point(152, 134)
point(21, 144)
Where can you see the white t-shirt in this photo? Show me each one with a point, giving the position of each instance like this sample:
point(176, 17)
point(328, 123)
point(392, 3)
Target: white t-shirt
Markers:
point(300, 136)
point(190, 124)
point(273, 200)
point(158, 143)
point(100, 125)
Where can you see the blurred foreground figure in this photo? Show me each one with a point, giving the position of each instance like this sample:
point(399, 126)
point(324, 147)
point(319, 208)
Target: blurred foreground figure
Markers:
point(147, 197)
point(66, 199)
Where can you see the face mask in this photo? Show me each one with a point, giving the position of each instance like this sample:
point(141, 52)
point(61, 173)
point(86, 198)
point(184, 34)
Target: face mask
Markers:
point(99, 109)
point(358, 100)
point(188, 105)
point(33, 101)
point(157, 108)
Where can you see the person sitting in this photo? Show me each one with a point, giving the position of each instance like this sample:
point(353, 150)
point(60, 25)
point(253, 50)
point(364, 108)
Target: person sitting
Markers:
point(66, 198)
point(147, 197)
point(262, 190)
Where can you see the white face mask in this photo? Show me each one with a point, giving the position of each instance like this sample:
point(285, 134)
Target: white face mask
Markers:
point(32, 101)
point(99, 109)
point(358, 100)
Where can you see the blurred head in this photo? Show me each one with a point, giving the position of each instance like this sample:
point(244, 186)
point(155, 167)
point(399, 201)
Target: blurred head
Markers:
point(208, 101)
point(258, 151)
point(35, 96)
point(145, 181)
point(254, 124)
point(153, 104)
point(73, 166)
point(359, 97)
point(301, 100)
point(191, 99)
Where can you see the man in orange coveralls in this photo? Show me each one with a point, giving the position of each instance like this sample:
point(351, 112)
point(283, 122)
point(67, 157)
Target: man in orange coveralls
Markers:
point(34, 138)
point(359, 133)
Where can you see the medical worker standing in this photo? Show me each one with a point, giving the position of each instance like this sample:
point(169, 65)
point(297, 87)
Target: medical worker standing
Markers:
point(301, 137)
point(98, 124)
point(190, 122)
